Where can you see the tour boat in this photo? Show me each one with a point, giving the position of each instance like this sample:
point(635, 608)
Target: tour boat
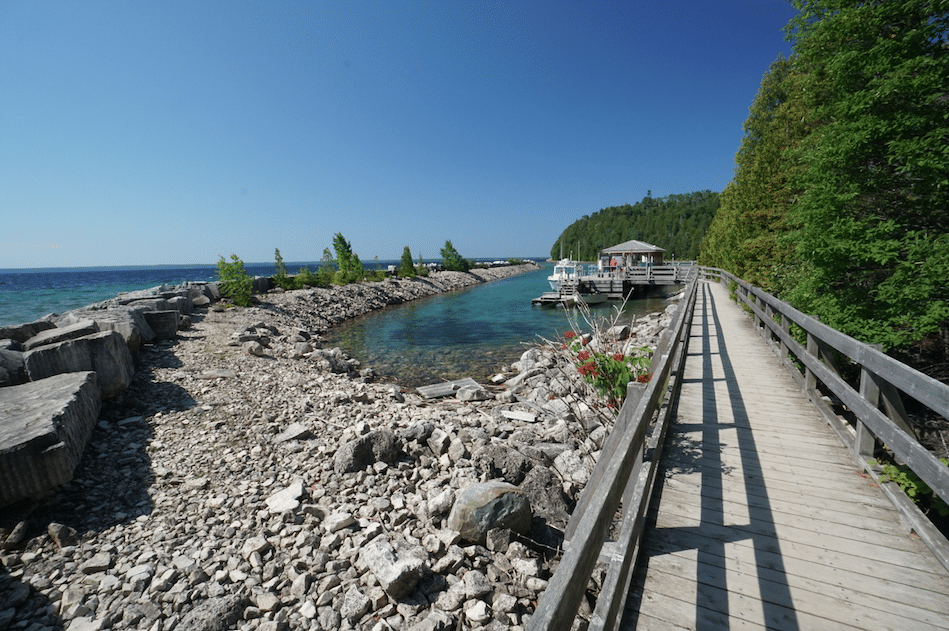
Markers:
point(565, 272)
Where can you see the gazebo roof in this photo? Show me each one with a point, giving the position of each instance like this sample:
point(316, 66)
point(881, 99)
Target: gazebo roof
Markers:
point(633, 247)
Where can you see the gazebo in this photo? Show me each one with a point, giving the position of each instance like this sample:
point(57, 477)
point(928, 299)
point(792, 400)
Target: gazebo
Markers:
point(632, 254)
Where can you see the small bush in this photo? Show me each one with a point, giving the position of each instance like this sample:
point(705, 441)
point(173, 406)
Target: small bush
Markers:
point(235, 283)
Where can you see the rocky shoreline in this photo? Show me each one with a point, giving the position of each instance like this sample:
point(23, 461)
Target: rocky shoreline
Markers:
point(250, 479)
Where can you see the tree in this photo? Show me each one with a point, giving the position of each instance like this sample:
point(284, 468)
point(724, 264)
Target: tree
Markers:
point(452, 260)
point(746, 235)
point(235, 283)
point(281, 278)
point(406, 265)
point(870, 227)
point(350, 268)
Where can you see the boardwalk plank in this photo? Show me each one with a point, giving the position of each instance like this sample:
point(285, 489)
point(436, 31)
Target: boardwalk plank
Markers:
point(761, 519)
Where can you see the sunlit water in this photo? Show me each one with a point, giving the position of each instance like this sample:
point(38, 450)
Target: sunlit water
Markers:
point(473, 332)
point(469, 333)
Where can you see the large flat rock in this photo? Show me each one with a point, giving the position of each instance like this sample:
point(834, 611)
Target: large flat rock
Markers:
point(106, 353)
point(44, 428)
point(61, 333)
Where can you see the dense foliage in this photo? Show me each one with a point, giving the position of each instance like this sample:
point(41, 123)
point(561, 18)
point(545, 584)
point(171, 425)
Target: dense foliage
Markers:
point(452, 260)
point(745, 236)
point(839, 202)
point(349, 267)
point(675, 223)
point(407, 265)
point(234, 281)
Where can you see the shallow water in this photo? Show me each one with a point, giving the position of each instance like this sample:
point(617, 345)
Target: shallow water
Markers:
point(469, 333)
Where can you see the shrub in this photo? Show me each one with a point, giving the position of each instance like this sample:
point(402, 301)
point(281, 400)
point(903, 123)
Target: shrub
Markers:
point(406, 266)
point(452, 260)
point(281, 278)
point(235, 283)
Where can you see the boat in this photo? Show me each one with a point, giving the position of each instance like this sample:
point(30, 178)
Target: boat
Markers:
point(565, 272)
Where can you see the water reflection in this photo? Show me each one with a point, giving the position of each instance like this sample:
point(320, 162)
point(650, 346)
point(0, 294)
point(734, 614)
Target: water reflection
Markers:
point(468, 333)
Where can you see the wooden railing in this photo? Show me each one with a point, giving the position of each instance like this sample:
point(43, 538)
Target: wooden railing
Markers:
point(626, 469)
point(884, 381)
point(624, 473)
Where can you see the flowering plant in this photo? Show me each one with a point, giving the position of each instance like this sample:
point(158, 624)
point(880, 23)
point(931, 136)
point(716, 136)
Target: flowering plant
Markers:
point(609, 372)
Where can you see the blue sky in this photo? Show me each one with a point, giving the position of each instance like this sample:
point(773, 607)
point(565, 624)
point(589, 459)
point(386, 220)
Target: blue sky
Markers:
point(177, 132)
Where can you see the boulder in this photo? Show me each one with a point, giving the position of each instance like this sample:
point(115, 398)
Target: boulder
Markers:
point(487, 505)
point(61, 334)
point(544, 491)
point(105, 353)
point(497, 461)
point(381, 445)
point(23, 332)
point(216, 614)
point(44, 428)
point(163, 323)
point(398, 572)
point(12, 368)
point(127, 322)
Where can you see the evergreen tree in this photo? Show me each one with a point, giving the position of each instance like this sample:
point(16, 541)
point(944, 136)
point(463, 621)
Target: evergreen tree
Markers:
point(452, 260)
point(872, 227)
point(406, 265)
point(745, 235)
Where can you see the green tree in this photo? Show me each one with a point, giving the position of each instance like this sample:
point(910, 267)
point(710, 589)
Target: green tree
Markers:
point(420, 268)
point(281, 278)
point(327, 268)
point(452, 260)
point(406, 265)
point(234, 281)
point(350, 268)
point(871, 224)
point(745, 236)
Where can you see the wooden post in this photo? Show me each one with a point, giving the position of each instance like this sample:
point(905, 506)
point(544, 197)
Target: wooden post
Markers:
point(810, 381)
point(786, 327)
point(864, 443)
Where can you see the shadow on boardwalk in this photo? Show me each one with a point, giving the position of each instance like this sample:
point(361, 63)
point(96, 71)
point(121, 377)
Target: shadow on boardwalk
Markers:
point(761, 519)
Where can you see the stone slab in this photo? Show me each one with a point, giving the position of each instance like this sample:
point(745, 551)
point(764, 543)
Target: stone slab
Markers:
point(44, 428)
point(23, 332)
point(61, 333)
point(106, 353)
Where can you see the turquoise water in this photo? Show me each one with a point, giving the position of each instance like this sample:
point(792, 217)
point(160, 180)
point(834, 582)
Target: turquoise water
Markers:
point(469, 333)
point(473, 332)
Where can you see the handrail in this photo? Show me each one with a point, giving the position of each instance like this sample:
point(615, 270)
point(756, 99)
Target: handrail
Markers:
point(883, 381)
point(625, 472)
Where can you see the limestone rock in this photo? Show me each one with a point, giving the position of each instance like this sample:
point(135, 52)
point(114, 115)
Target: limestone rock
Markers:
point(163, 323)
point(398, 574)
point(12, 368)
point(215, 614)
point(127, 322)
point(60, 334)
point(487, 505)
point(105, 353)
point(44, 428)
point(23, 332)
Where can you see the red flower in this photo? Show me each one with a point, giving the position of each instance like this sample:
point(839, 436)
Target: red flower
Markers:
point(584, 340)
point(587, 370)
point(583, 355)
point(569, 335)
point(618, 357)
point(644, 378)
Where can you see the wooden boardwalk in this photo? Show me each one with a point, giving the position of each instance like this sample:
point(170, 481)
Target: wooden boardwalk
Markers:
point(760, 519)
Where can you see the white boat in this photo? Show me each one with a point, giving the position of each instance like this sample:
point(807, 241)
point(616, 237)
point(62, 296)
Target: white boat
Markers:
point(565, 272)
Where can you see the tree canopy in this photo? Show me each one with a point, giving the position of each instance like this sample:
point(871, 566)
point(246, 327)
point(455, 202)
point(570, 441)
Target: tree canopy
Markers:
point(452, 260)
point(839, 201)
point(675, 223)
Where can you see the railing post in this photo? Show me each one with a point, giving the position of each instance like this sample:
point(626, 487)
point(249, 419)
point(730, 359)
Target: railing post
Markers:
point(786, 327)
point(810, 381)
point(864, 442)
